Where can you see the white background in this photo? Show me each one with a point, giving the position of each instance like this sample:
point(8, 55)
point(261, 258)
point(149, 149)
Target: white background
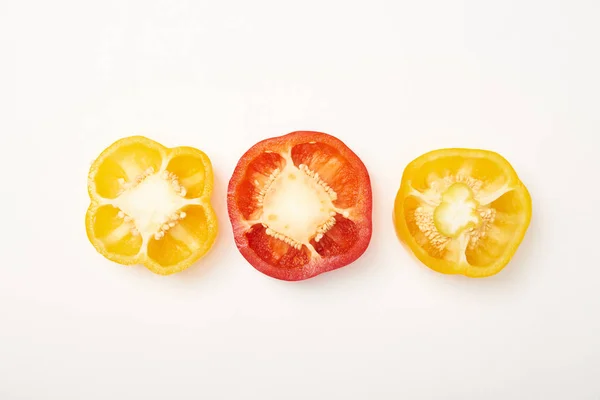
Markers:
point(393, 80)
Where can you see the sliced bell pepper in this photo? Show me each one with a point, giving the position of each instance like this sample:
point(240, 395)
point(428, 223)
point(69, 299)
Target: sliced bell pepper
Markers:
point(150, 205)
point(300, 205)
point(462, 211)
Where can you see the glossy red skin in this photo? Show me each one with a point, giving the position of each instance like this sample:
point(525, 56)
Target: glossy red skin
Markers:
point(316, 266)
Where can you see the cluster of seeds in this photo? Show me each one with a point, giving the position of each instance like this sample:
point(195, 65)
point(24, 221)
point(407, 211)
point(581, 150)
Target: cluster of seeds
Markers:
point(172, 178)
point(473, 183)
point(315, 175)
point(128, 220)
point(136, 181)
point(424, 220)
point(325, 227)
point(295, 244)
point(166, 175)
point(488, 215)
point(169, 223)
point(266, 186)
